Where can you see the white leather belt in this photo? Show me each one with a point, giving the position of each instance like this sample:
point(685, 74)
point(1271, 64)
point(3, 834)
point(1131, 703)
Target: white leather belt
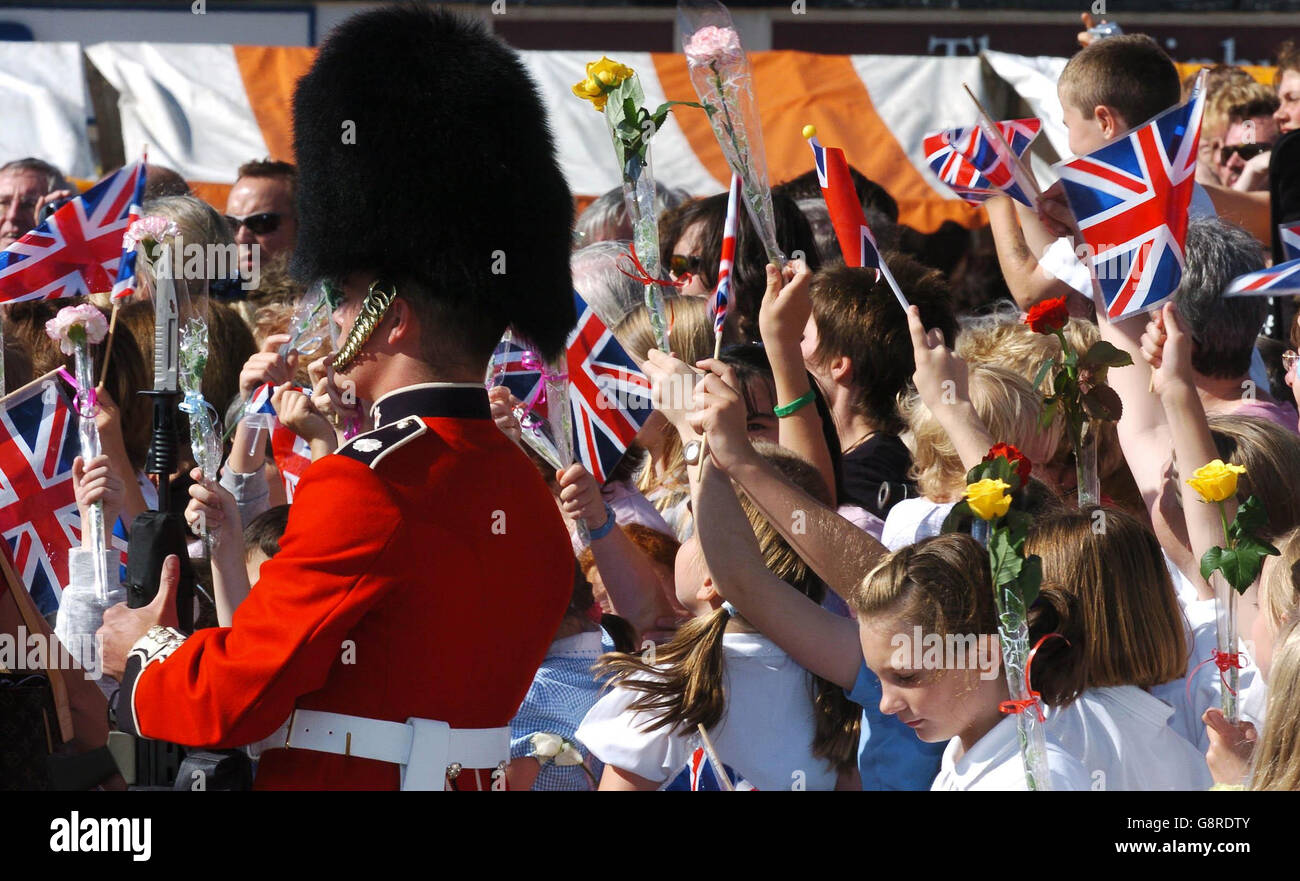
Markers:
point(426, 750)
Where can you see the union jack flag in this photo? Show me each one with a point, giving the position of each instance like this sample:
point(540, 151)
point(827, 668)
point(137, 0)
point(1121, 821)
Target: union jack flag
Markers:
point(856, 241)
point(292, 454)
point(519, 369)
point(1289, 233)
point(38, 507)
point(1284, 278)
point(723, 292)
point(609, 396)
point(974, 166)
point(699, 775)
point(78, 249)
point(1131, 199)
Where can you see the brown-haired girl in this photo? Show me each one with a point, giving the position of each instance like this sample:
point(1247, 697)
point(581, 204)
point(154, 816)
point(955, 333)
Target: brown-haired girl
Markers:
point(1135, 646)
point(772, 723)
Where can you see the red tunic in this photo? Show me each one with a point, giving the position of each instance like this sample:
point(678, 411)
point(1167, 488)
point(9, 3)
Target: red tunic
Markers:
point(423, 573)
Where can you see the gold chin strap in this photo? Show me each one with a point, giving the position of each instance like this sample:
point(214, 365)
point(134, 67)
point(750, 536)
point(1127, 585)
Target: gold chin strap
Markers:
point(378, 299)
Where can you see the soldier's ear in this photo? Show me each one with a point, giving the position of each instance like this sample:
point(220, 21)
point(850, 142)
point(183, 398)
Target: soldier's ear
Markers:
point(404, 322)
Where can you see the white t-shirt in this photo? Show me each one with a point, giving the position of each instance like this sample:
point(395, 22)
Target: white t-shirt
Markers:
point(1123, 732)
point(994, 764)
point(766, 735)
point(1207, 687)
point(911, 520)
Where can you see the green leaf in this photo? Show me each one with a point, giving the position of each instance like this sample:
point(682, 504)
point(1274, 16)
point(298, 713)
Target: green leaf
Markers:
point(1017, 525)
point(1005, 562)
point(1042, 372)
point(1101, 402)
point(1210, 561)
point(959, 511)
point(1251, 517)
point(1031, 579)
point(1104, 354)
point(1048, 412)
point(1061, 382)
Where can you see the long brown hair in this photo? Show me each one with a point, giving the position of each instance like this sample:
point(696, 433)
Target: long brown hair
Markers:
point(943, 585)
point(1129, 612)
point(685, 685)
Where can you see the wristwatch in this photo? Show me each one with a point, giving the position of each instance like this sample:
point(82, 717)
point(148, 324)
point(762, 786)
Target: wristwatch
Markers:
point(691, 452)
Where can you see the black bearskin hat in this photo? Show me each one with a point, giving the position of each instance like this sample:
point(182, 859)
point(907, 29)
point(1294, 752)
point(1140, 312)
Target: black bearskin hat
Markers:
point(423, 151)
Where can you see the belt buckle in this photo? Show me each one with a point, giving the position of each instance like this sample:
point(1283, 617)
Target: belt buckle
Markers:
point(288, 731)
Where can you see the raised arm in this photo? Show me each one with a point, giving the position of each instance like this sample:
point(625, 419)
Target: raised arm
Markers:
point(943, 381)
point(1028, 281)
point(214, 507)
point(781, 320)
point(819, 641)
point(1167, 347)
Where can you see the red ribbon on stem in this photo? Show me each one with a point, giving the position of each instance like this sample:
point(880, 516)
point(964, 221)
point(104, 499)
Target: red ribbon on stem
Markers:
point(1016, 707)
point(642, 275)
point(1225, 661)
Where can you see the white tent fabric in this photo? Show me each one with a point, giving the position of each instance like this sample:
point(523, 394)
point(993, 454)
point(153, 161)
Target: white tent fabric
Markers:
point(43, 107)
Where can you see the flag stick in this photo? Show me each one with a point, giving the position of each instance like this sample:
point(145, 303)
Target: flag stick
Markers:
point(1018, 170)
point(704, 444)
point(714, 760)
point(108, 344)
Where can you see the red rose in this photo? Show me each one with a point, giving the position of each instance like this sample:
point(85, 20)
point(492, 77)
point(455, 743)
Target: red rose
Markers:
point(1014, 456)
point(1048, 316)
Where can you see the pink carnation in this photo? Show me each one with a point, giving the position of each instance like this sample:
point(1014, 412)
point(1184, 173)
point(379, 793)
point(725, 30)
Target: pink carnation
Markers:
point(153, 228)
point(85, 316)
point(713, 44)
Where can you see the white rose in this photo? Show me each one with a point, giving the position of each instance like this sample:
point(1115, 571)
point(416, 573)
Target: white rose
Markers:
point(546, 746)
point(569, 755)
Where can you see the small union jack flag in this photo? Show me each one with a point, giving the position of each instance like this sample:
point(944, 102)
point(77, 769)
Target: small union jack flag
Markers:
point(1289, 233)
point(609, 396)
point(699, 775)
point(78, 249)
point(292, 454)
point(1284, 278)
point(842, 203)
point(974, 165)
point(723, 292)
point(1131, 200)
point(38, 508)
point(519, 369)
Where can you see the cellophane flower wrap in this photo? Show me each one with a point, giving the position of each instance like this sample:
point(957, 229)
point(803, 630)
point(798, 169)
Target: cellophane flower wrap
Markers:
point(205, 429)
point(993, 489)
point(719, 70)
point(76, 329)
point(531, 411)
point(1232, 567)
point(616, 90)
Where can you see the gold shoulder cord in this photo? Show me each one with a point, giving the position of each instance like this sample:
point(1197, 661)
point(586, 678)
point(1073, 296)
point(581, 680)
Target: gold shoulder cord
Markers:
point(378, 299)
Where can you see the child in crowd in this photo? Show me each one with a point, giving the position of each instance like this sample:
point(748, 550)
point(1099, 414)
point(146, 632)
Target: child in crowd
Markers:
point(721, 674)
point(562, 692)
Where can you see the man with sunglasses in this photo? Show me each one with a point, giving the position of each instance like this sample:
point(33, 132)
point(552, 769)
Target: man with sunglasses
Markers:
point(1243, 159)
point(260, 211)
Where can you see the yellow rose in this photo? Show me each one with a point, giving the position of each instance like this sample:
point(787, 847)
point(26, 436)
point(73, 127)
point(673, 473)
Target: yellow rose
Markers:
point(590, 90)
point(988, 498)
point(1216, 481)
point(609, 73)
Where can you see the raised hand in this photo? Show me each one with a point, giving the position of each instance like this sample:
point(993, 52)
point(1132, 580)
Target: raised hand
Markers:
point(213, 506)
point(719, 414)
point(95, 481)
point(786, 304)
point(297, 413)
point(941, 376)
point(580, 497)
point(1167, 347)
point(672, 384)
point(503, 405)
point(268, 365)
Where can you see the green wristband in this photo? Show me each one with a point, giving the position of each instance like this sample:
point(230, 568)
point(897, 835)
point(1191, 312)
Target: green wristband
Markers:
point(784, 410)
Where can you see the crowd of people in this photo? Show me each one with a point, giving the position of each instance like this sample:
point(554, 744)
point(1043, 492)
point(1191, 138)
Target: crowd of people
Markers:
point(747, 574)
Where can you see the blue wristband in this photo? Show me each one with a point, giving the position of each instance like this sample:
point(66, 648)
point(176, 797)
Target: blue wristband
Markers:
point(607, 527)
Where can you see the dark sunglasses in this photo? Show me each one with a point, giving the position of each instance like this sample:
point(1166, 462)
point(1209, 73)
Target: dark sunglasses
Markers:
point(261, 224)
point(680, 264)
point(1247, 152)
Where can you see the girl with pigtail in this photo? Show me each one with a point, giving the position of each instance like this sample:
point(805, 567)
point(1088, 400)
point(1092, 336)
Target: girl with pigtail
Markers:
point(772, 723)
